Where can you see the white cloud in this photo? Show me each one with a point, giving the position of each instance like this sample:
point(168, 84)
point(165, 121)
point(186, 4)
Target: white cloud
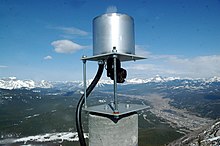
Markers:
point(3, 66)
point(71, 31)
point(48, 57)
point(200, 66)
point(111, 9)
point(66, 46)
point(171, 65)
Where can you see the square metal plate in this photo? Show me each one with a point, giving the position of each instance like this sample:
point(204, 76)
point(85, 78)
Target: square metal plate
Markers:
point(120, 56)
point(107, 109)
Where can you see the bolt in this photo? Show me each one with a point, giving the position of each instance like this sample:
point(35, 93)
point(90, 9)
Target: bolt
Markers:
point(127, 106)
point(114, 49)
point(106, 107)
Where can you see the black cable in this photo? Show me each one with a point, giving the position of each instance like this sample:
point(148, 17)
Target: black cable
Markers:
point(81, 102)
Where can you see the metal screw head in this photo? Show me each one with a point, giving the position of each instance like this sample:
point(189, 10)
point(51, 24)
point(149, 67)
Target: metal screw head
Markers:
point(114, 49)
point(84, 56)
point(106, 107)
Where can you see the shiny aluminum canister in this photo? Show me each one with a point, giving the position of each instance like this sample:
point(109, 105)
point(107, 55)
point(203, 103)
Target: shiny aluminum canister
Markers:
point(113, 30)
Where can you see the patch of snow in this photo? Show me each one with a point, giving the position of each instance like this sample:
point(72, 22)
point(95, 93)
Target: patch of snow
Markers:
point(6, 97)
point(102, 101)
point(101, 83)
point(53, 111)
point(171, 78)
point(28, 117)
point(13, 83)
point(214, 138)
point(48, 137)
point(63, 136)
point(136, 81)
point(35, 115)
point(12, 78)
point(214, 79)
point(157, 78)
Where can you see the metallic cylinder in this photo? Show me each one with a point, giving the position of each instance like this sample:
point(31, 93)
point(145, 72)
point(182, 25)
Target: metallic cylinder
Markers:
point(113, 30)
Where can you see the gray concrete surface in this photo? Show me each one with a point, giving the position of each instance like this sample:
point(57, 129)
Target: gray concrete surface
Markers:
point(103, 131)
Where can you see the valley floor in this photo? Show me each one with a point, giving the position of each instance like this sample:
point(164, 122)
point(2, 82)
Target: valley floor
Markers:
point(177, 118)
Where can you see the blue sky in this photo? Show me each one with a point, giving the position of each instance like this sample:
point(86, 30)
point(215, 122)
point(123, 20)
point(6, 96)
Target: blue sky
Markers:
point(45, 39)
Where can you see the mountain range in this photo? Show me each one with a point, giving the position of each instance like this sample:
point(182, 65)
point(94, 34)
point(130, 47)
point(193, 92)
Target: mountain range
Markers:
point(48, 107)
point(14, 83)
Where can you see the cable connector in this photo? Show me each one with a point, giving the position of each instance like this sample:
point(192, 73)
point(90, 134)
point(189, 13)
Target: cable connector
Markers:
point(121, 73)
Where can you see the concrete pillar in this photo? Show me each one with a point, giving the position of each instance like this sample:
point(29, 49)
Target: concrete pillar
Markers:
point(106, 131)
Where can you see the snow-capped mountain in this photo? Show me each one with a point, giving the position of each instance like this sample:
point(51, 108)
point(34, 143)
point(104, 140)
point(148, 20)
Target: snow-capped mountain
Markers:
point(166, 82)
point(156, 79)
point(101, 83)
point(14, 83)
point(213, 79)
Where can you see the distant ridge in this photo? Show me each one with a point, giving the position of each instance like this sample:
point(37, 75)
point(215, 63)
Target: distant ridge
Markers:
point(14, 83)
